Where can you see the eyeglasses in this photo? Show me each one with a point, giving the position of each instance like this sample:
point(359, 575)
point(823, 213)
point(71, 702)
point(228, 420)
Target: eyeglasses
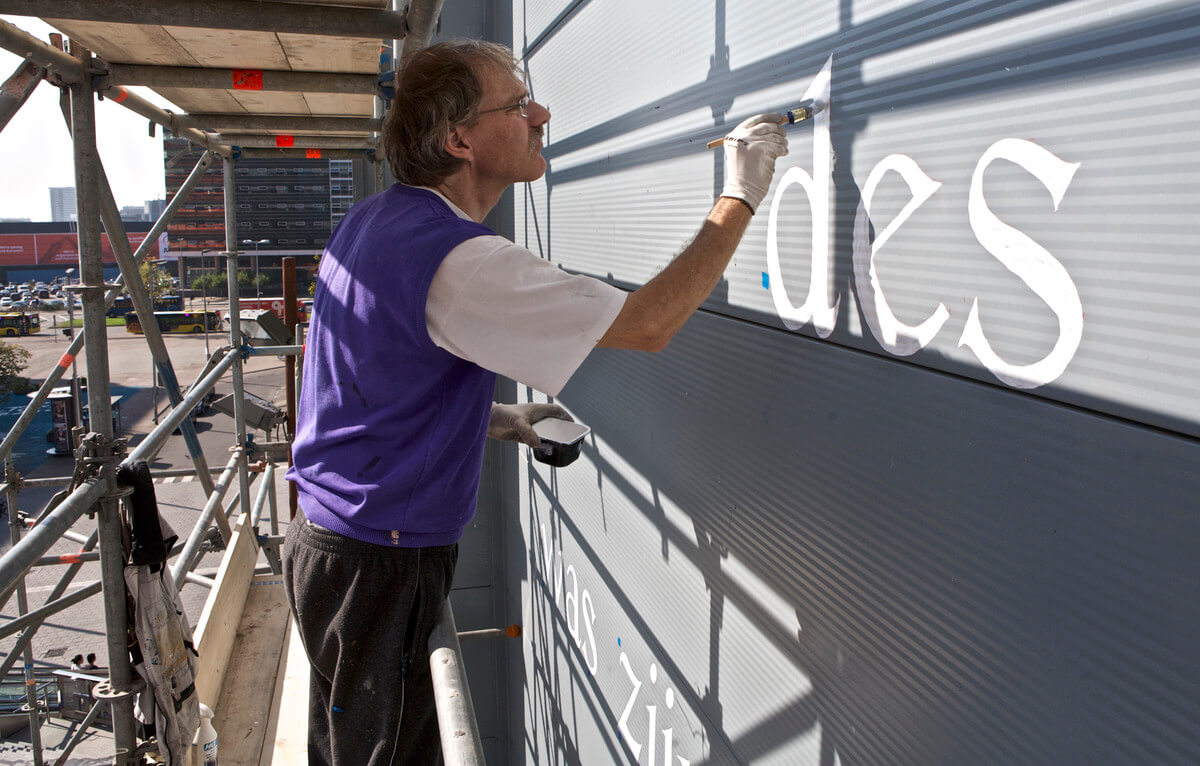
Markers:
point(522, 107)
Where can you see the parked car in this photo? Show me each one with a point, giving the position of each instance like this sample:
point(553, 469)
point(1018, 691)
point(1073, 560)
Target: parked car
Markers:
point(6, 303)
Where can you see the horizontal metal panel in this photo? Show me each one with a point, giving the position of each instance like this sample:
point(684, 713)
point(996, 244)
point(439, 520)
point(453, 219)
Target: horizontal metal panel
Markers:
point(780, 550)
point(1030, 161)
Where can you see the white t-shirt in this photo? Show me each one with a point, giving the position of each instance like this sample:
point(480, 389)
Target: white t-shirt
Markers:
point(495, 303)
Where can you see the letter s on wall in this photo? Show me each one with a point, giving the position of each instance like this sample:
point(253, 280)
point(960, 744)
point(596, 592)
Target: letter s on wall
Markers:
point(1031, 262)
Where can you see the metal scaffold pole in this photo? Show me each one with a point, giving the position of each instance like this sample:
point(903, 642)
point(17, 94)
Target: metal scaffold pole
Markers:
point(299, 154)
point(63, 583)
point(91, 269)
point(129, 262)
point(235, 122)
point(31, 703)
point(16, 89)
point(219, 78)
point(362, 143)
point(151, 241)
point(291, 320)
point(260, 15)
point(235, 333)
point(144, 307)
point(69, 71)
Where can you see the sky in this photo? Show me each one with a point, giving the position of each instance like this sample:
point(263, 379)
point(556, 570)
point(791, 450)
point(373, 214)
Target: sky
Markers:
point(35, 148)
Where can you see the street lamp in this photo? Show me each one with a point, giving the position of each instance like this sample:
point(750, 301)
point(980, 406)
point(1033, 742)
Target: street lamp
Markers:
point(257, 290)
point(75, 395)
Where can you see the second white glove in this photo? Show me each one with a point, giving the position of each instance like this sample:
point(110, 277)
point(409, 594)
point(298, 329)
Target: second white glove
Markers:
point(514, 422)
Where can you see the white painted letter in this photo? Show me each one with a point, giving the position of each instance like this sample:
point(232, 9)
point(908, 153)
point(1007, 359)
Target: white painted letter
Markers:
point(1036, 267)
point(816, 306)
point(895, 336)
point(623, 723)
point(589, 621)
point(553, 583)
point(571, 607)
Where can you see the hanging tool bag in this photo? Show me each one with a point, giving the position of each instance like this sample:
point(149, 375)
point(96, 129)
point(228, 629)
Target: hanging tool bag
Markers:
point(161, 645)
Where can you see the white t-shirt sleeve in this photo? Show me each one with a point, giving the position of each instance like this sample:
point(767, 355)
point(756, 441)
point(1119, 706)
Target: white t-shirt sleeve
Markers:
point(498, 305)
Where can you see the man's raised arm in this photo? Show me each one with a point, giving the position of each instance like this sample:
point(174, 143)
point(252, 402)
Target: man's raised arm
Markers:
point(654, 312)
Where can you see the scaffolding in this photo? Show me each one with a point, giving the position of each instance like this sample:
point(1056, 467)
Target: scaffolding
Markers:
point(94, 489)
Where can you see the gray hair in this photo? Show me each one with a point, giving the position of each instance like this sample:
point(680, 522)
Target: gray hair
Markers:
point(438, 89)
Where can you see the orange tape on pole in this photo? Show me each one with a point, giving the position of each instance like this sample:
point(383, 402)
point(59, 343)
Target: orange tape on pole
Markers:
point(122, 94)
point(66, 360)
point(312, 154)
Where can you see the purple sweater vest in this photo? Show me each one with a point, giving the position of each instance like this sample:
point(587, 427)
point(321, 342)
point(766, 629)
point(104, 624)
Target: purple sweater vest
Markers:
point(391, 428)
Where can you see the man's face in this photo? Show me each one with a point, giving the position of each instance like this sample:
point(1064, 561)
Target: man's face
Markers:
point(507, 146)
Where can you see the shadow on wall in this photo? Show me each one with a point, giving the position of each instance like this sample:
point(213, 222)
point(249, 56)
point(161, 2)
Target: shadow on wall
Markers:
point(956, 580)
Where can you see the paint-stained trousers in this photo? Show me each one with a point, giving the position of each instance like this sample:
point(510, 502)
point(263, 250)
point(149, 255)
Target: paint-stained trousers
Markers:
point(364, 613)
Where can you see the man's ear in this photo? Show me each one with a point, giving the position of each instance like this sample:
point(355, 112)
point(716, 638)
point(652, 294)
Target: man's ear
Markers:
point(457, 144)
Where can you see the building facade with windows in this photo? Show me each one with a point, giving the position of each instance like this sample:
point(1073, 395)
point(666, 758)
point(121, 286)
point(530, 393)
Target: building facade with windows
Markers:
point(286, 203)
point(285, 207)
point(62, 203)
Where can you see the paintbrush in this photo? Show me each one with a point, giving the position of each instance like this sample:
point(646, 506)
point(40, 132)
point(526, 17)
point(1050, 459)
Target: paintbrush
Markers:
point(804, 111)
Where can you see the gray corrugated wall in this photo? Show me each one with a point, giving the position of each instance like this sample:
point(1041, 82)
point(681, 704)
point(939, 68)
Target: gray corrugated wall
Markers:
point(836, 524)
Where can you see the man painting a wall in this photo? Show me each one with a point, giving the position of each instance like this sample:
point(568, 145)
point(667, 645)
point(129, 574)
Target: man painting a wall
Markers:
point(418, 307)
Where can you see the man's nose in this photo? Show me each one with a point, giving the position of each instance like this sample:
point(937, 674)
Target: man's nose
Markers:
point(538, 114)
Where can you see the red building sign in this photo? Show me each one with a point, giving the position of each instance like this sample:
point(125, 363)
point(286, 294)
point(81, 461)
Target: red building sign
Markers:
point(53, 249)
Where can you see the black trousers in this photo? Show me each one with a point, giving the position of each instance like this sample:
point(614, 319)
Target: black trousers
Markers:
point(364, 613)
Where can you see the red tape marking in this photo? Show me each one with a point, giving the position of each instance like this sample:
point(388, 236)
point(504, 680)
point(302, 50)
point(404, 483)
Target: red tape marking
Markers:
point(122, 94)
point(312, 154)
point(66, 361)
point(284, 142)
point(70, 558)
point(247, 79)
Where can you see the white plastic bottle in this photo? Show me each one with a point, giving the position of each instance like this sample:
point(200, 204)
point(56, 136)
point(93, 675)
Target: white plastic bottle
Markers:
point(204, 744)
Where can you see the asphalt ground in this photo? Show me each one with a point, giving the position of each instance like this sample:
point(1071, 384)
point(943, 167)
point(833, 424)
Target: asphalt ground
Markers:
point(80, 629)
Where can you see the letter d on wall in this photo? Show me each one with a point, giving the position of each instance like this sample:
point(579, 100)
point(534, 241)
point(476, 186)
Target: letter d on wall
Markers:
point(1033, 263)
point(816, 308)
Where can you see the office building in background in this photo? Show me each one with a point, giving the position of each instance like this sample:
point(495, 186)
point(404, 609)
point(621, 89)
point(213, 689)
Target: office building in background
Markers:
point(62, 203)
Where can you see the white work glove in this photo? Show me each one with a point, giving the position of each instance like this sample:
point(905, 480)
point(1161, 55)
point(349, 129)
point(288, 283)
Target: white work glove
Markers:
point(750, 152)
point(514, 422)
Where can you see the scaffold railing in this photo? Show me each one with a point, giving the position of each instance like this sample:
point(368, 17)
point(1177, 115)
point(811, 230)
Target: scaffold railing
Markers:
point(94, 490)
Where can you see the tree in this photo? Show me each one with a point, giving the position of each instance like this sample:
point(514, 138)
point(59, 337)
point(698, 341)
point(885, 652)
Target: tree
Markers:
point(211, 282)
point(155, 278)
point(13, 360)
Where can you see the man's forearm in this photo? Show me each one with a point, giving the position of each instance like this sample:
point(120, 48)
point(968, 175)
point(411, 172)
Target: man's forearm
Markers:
point(655, 312)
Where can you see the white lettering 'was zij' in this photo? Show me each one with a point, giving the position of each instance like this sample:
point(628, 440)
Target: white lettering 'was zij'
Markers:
point(561, 588)
point(1036, 267)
